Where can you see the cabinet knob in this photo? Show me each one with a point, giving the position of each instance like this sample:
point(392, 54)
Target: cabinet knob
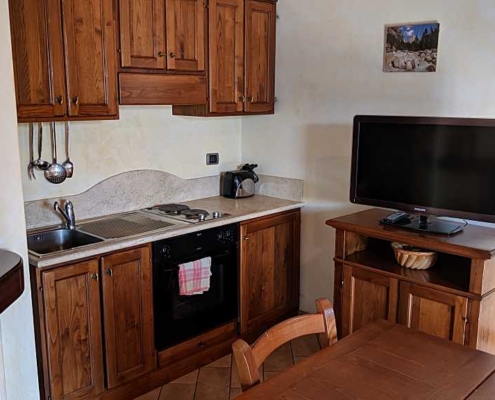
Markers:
point(172, 55)
point(250, 99)
point(59, 100)
point(95, 277)
point(109, 272)
point(246, 238)
point(241, 98)
point(75, 100)
point(161, 54)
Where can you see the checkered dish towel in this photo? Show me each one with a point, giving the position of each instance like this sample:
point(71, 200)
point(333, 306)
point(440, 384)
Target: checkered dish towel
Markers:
point(194, 277)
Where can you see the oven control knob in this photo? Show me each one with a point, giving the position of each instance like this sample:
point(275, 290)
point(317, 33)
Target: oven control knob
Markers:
point(216, 214)
point(202, 217)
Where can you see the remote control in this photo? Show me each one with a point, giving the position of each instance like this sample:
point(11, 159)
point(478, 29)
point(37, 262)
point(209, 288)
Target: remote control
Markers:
point(396, 217)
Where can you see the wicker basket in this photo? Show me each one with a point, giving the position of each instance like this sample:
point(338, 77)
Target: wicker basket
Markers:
point(414, 258)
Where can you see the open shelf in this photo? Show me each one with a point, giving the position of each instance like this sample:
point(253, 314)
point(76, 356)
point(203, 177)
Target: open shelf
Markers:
point(449, 272)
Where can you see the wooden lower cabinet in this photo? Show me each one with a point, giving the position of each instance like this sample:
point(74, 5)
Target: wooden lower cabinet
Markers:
point(73, 331)
point(367, 297)
point(269, 270)
point(71, 298)
point(434, 312)
point(128, 315)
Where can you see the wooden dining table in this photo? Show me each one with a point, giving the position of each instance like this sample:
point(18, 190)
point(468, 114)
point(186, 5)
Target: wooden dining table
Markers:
point(385, 361)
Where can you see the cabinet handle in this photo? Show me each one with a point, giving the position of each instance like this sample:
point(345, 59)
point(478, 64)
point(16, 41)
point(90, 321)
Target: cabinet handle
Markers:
point(75, 100)
point(172, 55)
point(109, 272)
point(161, 54)
point(95, 277)
point(59, 100)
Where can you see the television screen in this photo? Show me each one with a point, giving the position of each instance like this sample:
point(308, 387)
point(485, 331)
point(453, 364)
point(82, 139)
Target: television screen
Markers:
point(429, 165)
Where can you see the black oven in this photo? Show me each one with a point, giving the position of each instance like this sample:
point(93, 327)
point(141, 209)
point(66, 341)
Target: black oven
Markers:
point(178, 318)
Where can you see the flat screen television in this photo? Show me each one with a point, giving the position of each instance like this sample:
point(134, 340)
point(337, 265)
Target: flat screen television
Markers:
point(425, 166)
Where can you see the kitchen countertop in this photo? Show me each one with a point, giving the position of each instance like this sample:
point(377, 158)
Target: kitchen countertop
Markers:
point(240, 210)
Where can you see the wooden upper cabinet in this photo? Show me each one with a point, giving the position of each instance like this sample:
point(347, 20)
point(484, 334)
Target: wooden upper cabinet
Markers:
point(90, 57)
point(38, 58)
point(226, 51)
point(260, 56)
point(71, 298)
point(269, 269)
point(434, 312)
point(367, 297)
point(142, 34)
point(186, 35)
point(128, 315)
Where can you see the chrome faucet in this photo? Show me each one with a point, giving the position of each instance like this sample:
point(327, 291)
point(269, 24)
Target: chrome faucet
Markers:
point(68, 214)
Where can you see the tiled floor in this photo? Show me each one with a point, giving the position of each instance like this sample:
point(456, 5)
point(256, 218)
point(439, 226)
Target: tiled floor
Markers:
point(219, 380)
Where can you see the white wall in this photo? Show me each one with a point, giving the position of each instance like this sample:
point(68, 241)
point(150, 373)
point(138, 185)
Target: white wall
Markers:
point(143, 138)
point(17, 332)
point(329, 68)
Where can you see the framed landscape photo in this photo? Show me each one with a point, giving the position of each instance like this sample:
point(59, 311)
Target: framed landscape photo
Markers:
point(411, 47)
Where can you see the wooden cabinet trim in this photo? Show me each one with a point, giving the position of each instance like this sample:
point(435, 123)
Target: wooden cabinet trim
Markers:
point(218, 67)
point(81, 82)
point(350, 275)
point(263, 283)
point(196, 39)
point(154, 89)
point(48, 70)
point(129, 34)
point(260, 66)
point(459, 306)
point(142, 327)
point(88, 270)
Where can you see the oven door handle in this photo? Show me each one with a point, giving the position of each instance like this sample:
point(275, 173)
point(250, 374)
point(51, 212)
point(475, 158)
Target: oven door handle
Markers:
point(189, 259)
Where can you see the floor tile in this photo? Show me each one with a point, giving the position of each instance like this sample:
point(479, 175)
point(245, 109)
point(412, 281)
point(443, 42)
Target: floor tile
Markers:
point(268, 375)
point(234, 392)
point(153, 395)
point(178, 391)
point(305, 346)
point(224, 362)
point(189, 378)
point(280, 359)
point(213, 384)
point(234, 377)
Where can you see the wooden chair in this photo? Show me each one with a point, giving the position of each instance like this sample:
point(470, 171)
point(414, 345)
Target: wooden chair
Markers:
point(249, 359)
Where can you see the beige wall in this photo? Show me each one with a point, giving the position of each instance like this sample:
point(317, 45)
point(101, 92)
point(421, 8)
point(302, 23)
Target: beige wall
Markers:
point(143, 138)
point(17, 332)
point(329, 68)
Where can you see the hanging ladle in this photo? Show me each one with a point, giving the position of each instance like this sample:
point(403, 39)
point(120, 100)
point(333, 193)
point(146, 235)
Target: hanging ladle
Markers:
point(56, 173)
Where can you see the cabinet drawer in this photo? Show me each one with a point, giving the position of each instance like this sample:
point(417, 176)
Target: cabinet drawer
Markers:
point(197, 344)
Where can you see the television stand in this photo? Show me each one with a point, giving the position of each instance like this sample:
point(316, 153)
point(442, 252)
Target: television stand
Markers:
point(424, 223)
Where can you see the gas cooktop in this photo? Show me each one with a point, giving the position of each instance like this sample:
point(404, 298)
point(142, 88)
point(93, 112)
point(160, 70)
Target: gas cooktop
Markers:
point(181, 212)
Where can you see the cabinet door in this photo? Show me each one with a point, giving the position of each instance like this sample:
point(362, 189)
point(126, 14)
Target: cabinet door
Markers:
point(90, 57)
point(260, 56)
point(434, 312)
point(269, 269)
point(73, 331)
point(186, 35)
point(368, 296)
point(128, 315)
point(142, 34)
point(226, 50)
point(37, 47)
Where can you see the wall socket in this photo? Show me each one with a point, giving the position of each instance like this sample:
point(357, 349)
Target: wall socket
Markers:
point(212, 159)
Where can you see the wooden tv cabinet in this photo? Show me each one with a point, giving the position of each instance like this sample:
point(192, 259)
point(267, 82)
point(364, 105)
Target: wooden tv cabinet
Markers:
point(454, 300)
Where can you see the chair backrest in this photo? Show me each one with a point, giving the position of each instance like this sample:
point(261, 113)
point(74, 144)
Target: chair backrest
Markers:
point(249, 359)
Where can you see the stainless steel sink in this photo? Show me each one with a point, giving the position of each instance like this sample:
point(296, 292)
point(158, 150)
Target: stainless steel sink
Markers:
point(59, 240)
